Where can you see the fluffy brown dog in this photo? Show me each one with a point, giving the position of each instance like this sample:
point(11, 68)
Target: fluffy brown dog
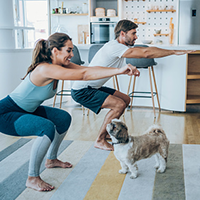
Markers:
point(129, 149)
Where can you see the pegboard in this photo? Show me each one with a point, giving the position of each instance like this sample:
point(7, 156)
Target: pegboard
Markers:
point(154, 20)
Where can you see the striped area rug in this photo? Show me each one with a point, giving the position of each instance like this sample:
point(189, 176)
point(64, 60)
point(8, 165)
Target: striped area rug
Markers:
point(95, 176)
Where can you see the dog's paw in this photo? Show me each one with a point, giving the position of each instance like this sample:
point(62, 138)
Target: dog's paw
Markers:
point(123, 171)
point(156, 166)
point(161, 170)
point(133, 176)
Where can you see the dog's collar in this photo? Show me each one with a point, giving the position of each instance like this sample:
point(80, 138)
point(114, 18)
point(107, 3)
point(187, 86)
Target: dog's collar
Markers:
point(120, 142)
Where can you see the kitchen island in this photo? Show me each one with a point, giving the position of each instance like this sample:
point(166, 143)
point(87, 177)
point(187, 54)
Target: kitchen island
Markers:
point(175, 88)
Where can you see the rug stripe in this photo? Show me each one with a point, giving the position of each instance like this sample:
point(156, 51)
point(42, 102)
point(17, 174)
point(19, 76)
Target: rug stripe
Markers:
point(56, 176)
point(16, 179)
point(82, 176)
point(12, 148)
point(191, 161)
point(14, 161)
point(7, 140)
point(108, 182)
point(140, 188)
point(170, 185)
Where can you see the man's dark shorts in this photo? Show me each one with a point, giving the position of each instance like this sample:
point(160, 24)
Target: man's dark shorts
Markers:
point(92, 98)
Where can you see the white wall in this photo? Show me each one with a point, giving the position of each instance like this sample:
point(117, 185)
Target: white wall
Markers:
point(14, 64)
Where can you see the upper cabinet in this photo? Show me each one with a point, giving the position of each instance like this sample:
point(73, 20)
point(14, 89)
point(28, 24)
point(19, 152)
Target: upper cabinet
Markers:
point(107, 5)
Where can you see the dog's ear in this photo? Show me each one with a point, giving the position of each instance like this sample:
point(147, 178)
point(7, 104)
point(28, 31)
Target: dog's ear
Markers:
point(124, 126)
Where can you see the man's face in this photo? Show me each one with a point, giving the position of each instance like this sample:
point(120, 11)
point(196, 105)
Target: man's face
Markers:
point(130, 37)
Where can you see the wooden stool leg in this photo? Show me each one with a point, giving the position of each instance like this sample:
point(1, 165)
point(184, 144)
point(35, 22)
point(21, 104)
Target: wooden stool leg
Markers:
point(54, 101)
point(88, 112)
point(149, 68)
point(114, 83)
point(154, 79)
point(61, 93)
point(117, 82)
point(129, 85)
point(83, 109)
point(133, 91)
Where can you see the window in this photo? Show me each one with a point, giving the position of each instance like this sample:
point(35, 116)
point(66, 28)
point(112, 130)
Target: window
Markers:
point(31, 20)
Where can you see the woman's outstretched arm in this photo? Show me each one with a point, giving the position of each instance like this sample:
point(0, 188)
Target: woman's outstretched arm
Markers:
point(85, 73)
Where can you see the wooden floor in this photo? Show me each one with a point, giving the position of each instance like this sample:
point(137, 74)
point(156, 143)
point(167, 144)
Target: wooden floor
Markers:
point(102, 167)
point(181, 128)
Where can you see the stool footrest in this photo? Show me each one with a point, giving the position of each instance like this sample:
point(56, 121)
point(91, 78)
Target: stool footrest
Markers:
point(60, 93)
point(141, 96)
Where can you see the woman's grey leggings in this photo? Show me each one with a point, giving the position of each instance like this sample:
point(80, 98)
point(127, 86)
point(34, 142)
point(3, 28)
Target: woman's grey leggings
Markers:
point(50, 124)
point(41, 146)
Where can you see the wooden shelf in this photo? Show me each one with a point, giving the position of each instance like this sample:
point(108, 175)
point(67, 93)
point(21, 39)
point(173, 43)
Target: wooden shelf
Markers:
point(161, 34)
point(83, 14)
point(193, 76)
point(193, 99)
point(149, 11)
point(143, 23)
point(135, 0)
point(106, 16)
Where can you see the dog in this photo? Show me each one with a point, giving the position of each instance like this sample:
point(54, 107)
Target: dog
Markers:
point(129, 149)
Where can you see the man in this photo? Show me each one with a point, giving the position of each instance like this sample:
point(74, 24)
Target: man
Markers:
point(92, 95)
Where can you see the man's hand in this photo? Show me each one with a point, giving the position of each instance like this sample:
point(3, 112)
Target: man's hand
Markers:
point(182, 52)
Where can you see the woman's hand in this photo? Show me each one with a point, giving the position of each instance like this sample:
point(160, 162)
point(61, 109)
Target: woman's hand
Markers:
point(130, 70)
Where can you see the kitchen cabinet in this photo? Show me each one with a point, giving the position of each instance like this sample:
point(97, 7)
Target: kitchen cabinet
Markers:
point(74, 22)
point(107, 4)
point(193, 78)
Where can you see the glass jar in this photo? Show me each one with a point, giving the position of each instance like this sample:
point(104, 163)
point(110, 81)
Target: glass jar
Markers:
point(85, 8)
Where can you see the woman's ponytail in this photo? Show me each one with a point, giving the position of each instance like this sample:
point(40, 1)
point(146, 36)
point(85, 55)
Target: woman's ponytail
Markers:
point(41, 53)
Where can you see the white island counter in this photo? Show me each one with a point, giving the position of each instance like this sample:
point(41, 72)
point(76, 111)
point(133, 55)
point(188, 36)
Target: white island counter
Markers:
point(170, 75)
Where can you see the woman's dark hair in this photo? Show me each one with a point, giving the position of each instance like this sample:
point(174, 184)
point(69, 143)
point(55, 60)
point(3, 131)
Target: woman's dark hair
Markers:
point(124, 25)
point(43, 48)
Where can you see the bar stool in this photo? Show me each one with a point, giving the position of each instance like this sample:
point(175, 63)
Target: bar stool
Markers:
point(146, 63)
point(77, 60)
point(92, 51)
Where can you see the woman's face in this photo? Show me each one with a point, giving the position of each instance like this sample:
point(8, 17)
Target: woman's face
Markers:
point(64, 55)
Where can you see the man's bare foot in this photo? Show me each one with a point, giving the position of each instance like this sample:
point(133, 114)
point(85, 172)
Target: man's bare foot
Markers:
point(38, 184)
point(57, 163)
point(104, 145)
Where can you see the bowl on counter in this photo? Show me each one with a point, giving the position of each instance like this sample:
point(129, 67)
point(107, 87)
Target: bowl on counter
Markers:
point(147, 41)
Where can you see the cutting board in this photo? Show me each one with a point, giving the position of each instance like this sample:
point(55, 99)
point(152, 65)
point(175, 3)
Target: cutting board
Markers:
point(83, 31)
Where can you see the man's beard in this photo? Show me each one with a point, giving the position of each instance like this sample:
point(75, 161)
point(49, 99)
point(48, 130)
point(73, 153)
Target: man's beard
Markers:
point(128, 42)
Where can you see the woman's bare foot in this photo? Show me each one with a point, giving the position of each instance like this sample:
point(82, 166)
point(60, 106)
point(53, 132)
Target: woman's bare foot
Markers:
point(38, 184)
point(104, 145)
point(57, 163)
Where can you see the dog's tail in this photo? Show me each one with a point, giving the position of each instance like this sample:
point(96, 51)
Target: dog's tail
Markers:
point(164, 145)
point(155, 129)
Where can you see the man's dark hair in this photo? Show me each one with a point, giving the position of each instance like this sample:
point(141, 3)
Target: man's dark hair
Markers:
point(124, 25)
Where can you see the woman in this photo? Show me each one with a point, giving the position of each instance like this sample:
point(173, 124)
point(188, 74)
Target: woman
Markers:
point(21, 112)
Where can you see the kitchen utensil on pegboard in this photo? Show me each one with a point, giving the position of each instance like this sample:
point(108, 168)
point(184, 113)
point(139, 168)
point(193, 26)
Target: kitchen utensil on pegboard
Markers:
point(171, 31)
